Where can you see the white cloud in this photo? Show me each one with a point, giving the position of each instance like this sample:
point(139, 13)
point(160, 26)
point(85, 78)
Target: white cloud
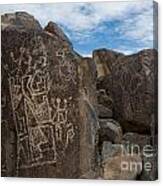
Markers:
point(83, 19)
point(139, 27)
point(86, 55)
point(79, 16)
point(127, 51)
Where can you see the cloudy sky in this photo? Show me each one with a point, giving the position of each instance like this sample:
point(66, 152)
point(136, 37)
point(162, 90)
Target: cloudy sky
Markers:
point(123, 26)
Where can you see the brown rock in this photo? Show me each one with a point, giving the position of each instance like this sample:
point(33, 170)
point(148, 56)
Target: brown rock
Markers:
point(104, 60)
point(55, 31)
point(131, 84)
point(43, 105)
point(113, 170)
point(117, 164)
point(89, 126)
point(20, 21)
point(134, 91)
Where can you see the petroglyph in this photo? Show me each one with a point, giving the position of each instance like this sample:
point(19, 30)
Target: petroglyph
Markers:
point(66, 69)
point(30, 105)
point(70, 133)
point(60, 121)
point(40, 122)
point(15, 92)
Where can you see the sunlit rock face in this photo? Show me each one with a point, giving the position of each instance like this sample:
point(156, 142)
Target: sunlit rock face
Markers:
point(105, 60)
point(44, 85)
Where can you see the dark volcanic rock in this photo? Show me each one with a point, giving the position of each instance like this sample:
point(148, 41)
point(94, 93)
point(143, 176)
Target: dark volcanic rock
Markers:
point(134, 91)
point(47, 103)
point(131, 84)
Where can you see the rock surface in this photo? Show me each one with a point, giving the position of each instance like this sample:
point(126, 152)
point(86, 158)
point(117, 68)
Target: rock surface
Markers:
point(104, 112)
point(20, 21)
point(127, 87)
point(113, 170)
point(134, 93)
point(116, 163)
point(142, 145)
point(136, 139)
point(104, 60)
point(90, 126)
point(53, 30)
point(110, 130)
point(47, 103)
point(132, 85)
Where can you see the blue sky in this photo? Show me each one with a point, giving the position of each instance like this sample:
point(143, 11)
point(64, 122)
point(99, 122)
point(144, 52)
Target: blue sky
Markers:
point(125, 26)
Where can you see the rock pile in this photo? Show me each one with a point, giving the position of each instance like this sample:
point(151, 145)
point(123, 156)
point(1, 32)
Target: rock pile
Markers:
point(127, 94)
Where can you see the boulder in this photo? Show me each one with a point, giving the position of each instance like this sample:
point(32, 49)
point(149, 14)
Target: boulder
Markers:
point(48, 107)
point(142, 145)
point(110, 130)
point(117, 164)
point(113, 168)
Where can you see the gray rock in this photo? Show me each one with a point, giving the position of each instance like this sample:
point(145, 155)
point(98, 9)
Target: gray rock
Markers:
point(151, 172)
point(109, 150)
point(110, 130)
